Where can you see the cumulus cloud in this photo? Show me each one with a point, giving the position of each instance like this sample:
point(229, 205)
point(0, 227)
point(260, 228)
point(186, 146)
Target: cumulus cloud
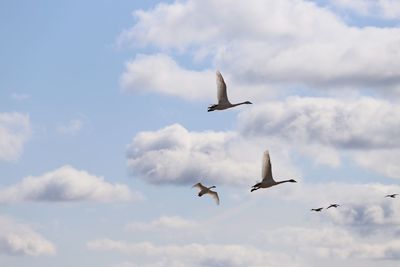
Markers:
point(65, 184)
point(20, 239)
point(162, 223)
point(174, 155)
point(366, 123)
point(290, 41)
point(15, 130)
point(322, 128)
point(160, 73)
point(195, 254)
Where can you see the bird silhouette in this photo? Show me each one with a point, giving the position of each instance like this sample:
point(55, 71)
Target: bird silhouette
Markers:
point(317, 210)
point(333, 206)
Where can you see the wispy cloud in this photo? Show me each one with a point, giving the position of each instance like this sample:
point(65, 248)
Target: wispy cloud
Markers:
point(195, 254)
point(20, 96)
point(162, 223)
point(386, 9)
point(72, 127)
point(15, 130)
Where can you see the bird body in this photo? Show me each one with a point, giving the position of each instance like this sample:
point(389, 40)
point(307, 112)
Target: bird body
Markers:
point(392, 195)
point(207, 190)
point(266, 175)
point(317, 210)
point(223, 102)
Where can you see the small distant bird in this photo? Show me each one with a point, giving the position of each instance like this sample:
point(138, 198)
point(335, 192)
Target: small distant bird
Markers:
point(266, 175)
point(317, 210)
point(207, 190)
point(392, 195)
point(223, 102)
point(333, 206)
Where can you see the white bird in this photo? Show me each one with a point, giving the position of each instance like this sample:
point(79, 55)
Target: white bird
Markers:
point(223, 102)
point(207, 190)
point(266, 174)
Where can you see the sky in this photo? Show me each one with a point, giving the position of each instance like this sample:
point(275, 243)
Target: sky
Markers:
point(104, 129)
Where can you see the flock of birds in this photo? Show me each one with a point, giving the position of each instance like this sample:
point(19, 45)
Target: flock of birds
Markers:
point(266, 172)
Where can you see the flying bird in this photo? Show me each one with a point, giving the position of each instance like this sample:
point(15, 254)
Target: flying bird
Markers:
point(266, 175)
point(333, 206)
point(392, 195)
point(317, 210)
point(207, 190)
point(223, 102)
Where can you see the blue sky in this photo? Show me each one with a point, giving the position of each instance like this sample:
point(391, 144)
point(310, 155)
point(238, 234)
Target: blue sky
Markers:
point(104, 129)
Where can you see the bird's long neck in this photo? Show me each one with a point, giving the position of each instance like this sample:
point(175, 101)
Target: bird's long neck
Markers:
point(284, 181)
point(211, 187)
point(238, 104)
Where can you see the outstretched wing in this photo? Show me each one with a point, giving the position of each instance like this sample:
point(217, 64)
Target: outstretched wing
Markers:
point(199, 186)
point(221, 87)
point(214, 195)
point(266, 173)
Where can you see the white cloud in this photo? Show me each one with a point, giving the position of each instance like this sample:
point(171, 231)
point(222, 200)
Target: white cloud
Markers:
point(367, 129)
point(334, 243)
point(364, 208)
point(195, 255)
point(71, 128)
point(15, 130)
point(20, 239)
point(384, 162)
point(160, 73)
point(175, 155)
point(366, 123)
point(364, 228)
point(292, 41)
point(162, 223)
point(65, 184)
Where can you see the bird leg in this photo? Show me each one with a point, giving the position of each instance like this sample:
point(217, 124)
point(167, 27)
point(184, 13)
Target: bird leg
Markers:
point(255, 187)
point(212, 107)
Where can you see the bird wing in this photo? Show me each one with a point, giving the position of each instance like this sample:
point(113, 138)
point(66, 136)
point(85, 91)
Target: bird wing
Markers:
point(199, 186)
point(266, 173)
point(214, 195)
point(222, 95)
